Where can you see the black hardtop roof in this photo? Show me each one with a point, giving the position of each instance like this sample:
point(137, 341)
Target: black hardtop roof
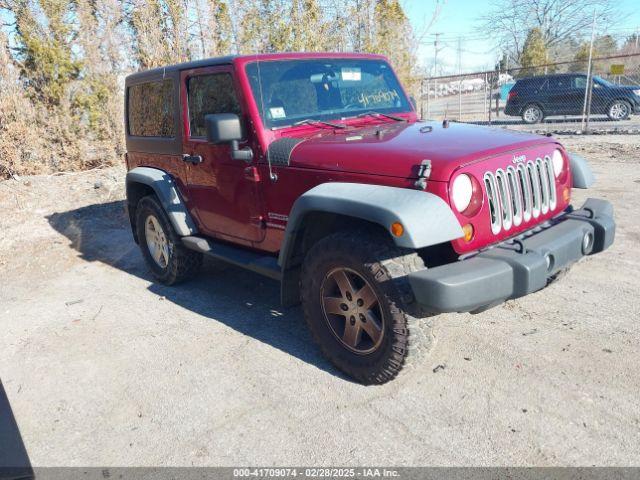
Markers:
point(171, 70)
point(162, 71)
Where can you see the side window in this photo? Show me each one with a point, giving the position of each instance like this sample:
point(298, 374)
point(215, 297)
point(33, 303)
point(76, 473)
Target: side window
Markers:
point(150, 109)
point(580, 82)
point(209, 94)
point(534, 84)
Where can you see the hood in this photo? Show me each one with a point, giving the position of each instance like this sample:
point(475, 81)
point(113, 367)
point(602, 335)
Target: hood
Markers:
point(626, 88)
point(397, 149)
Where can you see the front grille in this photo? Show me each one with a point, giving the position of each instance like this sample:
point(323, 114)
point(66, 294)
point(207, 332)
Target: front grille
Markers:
point(518, 194)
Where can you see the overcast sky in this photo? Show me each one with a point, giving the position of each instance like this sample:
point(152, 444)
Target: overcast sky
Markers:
point(458, 18)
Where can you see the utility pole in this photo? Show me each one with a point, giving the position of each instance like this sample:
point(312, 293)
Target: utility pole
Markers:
point(459, 69)
point(587, 91)
point(459, 57)
point(435, 53)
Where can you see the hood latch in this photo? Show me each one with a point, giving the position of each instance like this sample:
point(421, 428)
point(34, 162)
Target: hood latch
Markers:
point(424, 172)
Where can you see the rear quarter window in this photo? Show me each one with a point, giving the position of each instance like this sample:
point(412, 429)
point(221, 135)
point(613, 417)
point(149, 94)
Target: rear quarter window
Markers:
point(560, 83)
point(529, 84)
point(150, 110)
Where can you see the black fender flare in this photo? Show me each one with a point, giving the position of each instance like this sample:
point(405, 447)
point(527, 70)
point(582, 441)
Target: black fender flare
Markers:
point(167, 192)
point(581, 172)
point(427, 219)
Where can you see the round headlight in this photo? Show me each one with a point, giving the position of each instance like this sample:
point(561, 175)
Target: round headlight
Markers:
point(461, 192)
point(558, 162)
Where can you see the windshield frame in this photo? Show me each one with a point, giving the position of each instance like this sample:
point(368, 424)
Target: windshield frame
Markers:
point(406, 105)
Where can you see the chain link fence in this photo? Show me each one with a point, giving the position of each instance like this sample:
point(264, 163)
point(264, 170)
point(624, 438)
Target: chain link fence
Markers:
point(601, 94)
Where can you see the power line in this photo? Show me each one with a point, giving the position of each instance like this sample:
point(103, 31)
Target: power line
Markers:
point(453, 37)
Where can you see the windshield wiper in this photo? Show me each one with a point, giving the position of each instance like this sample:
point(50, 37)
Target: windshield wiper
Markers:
point(385, 115)
point(310, 121)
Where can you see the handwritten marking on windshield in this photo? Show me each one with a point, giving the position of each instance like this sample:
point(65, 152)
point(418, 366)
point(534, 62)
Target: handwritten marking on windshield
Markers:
point(381, 96)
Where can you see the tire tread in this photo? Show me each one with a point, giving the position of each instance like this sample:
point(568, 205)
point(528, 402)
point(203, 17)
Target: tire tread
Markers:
point(183, 263)
point(412, 329)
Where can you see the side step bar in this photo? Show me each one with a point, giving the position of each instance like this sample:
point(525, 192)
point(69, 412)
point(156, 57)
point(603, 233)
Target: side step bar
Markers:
point(256, 262)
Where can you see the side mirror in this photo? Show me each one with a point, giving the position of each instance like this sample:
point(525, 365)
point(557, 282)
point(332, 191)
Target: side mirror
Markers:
point(226, 128)
point(412, 99)
point(223, 127)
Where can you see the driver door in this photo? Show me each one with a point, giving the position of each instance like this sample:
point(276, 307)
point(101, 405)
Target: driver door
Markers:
point(222, 191)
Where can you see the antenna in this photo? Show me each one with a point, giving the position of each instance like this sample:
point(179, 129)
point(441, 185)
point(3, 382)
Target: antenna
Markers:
point(272, 175)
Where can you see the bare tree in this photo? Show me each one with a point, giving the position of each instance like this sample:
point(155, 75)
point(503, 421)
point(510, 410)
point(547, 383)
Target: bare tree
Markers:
point(18, 121)
point(62, 61)
point(558, 20)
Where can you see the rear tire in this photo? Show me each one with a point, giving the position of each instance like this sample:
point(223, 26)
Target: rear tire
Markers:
point(532, 113)
point(168, 259)
point(619, 110)
point(359, 305)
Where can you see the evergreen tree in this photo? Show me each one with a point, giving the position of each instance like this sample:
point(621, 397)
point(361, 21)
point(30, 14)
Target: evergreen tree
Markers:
point(393, 38)
point(44, 34)
point(534, 53)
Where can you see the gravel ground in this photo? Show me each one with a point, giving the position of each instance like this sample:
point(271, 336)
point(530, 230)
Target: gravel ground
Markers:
point(102, 367)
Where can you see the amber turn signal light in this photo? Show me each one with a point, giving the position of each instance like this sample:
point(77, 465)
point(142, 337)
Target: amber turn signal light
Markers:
point(397, 229)
point(468, 232)
point(566, 194)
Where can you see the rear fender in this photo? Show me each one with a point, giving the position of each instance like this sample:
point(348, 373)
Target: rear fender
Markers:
point(164, 187)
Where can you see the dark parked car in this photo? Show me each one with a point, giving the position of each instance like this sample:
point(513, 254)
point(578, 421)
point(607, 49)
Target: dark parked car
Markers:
point(535, 98)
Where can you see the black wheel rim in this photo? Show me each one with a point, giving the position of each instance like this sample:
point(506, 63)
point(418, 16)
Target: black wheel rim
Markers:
point(352, 310)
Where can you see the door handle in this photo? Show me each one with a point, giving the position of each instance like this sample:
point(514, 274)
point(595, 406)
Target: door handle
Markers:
point(252, 174)
point(194, 159)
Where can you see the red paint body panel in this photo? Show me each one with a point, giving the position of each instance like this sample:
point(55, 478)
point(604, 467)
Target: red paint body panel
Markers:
point(396, 149)
point(237, 202)
point(225, 204)
point(292, 182)
point(480, 221)
point(172, 164)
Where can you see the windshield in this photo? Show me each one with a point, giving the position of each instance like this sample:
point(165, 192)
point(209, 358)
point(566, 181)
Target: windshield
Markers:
point(288, 91)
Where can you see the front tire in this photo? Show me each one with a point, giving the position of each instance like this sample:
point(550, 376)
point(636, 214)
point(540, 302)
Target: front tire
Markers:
point(168, 259)
point(359, 306)
point(619, 110)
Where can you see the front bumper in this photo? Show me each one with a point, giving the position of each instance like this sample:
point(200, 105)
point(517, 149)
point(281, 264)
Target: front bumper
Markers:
point(517, 267)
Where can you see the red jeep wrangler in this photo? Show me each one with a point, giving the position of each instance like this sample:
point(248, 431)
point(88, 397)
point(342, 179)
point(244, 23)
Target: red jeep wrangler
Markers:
point(314, 170)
